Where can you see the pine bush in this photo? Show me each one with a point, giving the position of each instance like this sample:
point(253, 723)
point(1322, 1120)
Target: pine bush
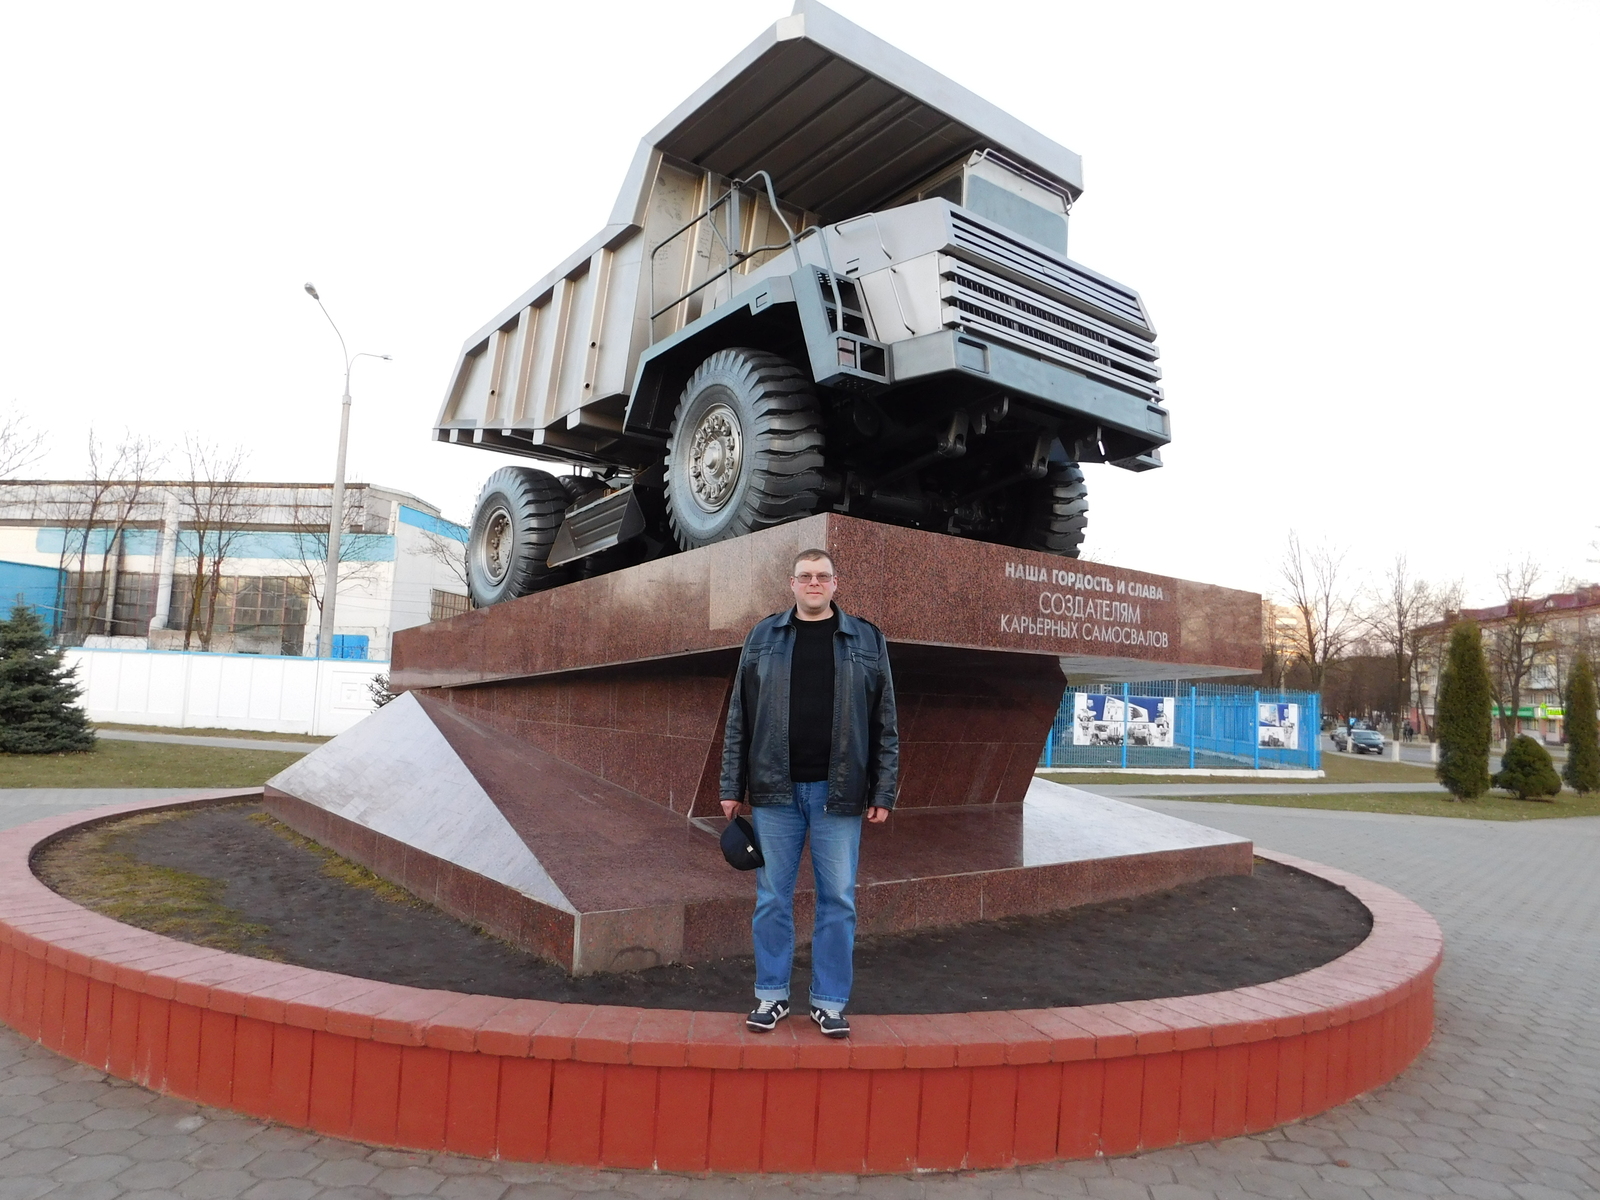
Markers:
point(1582, 771)
point(1526, 770)
point(39, 712)
point(1462, 717)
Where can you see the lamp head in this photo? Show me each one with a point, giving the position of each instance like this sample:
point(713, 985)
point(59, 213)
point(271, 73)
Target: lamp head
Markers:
point(312, 292)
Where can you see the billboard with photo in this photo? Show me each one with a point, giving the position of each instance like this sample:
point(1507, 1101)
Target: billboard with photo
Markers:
point(1278, 727)
point(1099, 720)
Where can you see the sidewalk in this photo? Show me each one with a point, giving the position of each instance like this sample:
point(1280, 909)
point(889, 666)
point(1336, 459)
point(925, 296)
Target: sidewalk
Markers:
point(18, 806)
point(216, 743)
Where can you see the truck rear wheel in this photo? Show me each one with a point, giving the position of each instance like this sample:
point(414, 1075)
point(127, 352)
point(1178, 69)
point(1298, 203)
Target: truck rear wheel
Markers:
point(514, 525)
point(745, 451)
point(1055, 512)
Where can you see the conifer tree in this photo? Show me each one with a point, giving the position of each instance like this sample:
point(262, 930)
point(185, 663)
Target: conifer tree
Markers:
point(1462, 720)
point(39, 712)
point(1526, 770)
point(1582, 771)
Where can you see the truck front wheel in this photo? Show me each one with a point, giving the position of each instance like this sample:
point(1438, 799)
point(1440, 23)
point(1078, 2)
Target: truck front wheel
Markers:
point(513, 526)
point(1055, 512)
point(745, 450)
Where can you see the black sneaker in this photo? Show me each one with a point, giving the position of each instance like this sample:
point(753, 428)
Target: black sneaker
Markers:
point(765, 1016)
point(832, 1024)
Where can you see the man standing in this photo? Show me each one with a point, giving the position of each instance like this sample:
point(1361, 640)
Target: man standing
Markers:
point(812, 738)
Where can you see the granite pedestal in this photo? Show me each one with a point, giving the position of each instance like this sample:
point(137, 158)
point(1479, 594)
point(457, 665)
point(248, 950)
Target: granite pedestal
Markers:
point(552, 773)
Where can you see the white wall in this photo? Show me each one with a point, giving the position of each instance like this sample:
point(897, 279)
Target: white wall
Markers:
point(323, 696)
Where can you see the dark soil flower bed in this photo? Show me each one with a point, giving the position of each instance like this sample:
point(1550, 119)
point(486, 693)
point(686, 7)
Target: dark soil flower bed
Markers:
point(230, 876)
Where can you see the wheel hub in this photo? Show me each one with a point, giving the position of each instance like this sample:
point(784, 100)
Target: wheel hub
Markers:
point(716, 453)
point(495, 556)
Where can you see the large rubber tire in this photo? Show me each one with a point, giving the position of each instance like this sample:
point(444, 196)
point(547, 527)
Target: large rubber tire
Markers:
point(1055, 512)
point(745, 451)
point(514, 525)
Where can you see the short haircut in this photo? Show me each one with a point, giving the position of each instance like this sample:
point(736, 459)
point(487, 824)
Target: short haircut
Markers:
point(810, 555)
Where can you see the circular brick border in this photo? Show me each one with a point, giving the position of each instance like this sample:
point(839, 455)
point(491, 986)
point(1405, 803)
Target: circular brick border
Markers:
point(530, 1080)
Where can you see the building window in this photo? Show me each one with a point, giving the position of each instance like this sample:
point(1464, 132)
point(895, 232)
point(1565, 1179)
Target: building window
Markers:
point(136, 603)
point(256, 614)
point(445, 605)
point(84, 600)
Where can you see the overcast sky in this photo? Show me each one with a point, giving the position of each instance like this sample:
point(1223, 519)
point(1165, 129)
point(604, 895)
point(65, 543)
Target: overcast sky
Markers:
point(1366, 233)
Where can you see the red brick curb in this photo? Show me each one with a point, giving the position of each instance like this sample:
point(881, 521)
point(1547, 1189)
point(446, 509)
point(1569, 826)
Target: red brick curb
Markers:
point(692, 1091)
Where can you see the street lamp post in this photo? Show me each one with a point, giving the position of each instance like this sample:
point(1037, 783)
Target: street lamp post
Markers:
point(330, 585)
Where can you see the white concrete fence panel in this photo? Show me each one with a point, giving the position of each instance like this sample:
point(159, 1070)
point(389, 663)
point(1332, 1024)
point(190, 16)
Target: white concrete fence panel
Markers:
point(318, 696)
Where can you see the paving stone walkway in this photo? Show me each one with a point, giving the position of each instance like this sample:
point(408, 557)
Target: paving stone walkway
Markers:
point(1505, 1105)
point(212, 740)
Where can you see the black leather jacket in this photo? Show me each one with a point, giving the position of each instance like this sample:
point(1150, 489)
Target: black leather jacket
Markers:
point(864, 765)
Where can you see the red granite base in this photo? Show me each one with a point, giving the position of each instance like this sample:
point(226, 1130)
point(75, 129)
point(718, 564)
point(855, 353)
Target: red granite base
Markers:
point(577, 709)
point(627, 675)
point(640, 885)
point(940, 870)
point(648, 1089)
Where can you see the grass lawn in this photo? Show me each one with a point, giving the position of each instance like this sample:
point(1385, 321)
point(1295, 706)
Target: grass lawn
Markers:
point(1491, 807)
point(144, 764)
point(1338, 768)
point(190, 731)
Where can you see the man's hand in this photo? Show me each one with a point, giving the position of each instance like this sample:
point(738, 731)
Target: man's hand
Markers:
point(876, 815)
point(731, 807)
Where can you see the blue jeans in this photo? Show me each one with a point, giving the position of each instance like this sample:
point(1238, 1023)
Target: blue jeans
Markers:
point(835, 853)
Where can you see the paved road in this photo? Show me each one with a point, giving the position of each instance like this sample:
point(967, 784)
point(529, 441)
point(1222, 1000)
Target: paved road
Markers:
point(1128, 791)
point(216, 743)
point(1419, 753)
point(1505, 1105)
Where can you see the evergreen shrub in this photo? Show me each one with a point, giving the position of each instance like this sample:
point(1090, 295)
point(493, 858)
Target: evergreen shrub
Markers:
point(1461, 721)
point(1582, 771)
point(39, 711)
point(1527, 770)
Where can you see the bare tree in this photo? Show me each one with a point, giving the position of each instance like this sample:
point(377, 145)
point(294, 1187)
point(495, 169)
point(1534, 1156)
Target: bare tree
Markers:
point(131, 465)
point(216, 509)
point(447, 552)
point(20, 445)
point(95, 513)
point(1394, 612)
point(1516, 640)
point(311, 545)
point(1318, 590)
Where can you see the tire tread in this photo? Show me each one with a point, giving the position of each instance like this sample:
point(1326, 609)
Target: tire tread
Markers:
point(783, 442)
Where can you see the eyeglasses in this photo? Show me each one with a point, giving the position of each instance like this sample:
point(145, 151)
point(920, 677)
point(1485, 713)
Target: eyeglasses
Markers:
point(818, 578)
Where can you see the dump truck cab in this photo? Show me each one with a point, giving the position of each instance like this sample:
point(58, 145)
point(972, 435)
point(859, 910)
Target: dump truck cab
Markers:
point(833, 281)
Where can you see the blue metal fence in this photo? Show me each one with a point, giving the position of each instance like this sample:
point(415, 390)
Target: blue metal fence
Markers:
point(37, 587)
point(1207, 725)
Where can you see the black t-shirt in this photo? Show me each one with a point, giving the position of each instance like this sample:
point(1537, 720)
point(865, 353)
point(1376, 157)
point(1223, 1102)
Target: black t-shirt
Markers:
point(811, 699)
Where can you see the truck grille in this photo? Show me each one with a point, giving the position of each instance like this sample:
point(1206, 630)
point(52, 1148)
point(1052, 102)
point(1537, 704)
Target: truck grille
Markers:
point(1075, 285)
point(989, 304)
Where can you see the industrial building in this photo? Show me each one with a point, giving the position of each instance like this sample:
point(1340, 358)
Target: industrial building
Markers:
point(224, 567)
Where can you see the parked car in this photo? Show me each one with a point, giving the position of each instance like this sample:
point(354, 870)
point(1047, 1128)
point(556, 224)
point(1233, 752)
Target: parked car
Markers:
point(1358, 741)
